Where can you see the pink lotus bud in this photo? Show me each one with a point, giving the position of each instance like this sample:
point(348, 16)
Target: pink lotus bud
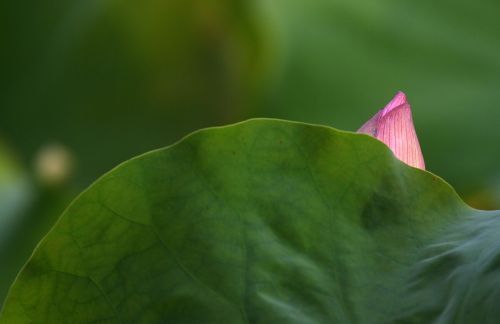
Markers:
point(393, 125)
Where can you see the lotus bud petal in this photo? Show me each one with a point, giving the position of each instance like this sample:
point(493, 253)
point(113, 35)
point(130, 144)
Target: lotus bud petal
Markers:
point(393, 125)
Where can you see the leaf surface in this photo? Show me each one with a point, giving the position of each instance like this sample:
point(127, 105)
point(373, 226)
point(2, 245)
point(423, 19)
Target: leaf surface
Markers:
point(265, 221)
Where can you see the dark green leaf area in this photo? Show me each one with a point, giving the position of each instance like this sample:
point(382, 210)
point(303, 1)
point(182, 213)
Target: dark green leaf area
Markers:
point(265, 221)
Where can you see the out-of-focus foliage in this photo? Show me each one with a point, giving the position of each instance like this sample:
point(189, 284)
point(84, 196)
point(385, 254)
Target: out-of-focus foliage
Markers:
point(27, 211)
point(15, 195)
point(15, 191)
point(111, 79)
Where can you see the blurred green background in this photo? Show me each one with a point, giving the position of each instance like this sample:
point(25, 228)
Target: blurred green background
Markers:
point(87, 84)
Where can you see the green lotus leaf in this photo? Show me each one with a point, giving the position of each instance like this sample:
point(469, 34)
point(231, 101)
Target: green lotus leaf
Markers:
point(265, 221)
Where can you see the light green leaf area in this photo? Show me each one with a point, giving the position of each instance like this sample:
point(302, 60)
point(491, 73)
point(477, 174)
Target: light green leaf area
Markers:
point(265, 221)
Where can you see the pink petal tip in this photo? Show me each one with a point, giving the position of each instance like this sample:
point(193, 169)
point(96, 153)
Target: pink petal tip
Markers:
point(398, 100)
point(393, 125)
